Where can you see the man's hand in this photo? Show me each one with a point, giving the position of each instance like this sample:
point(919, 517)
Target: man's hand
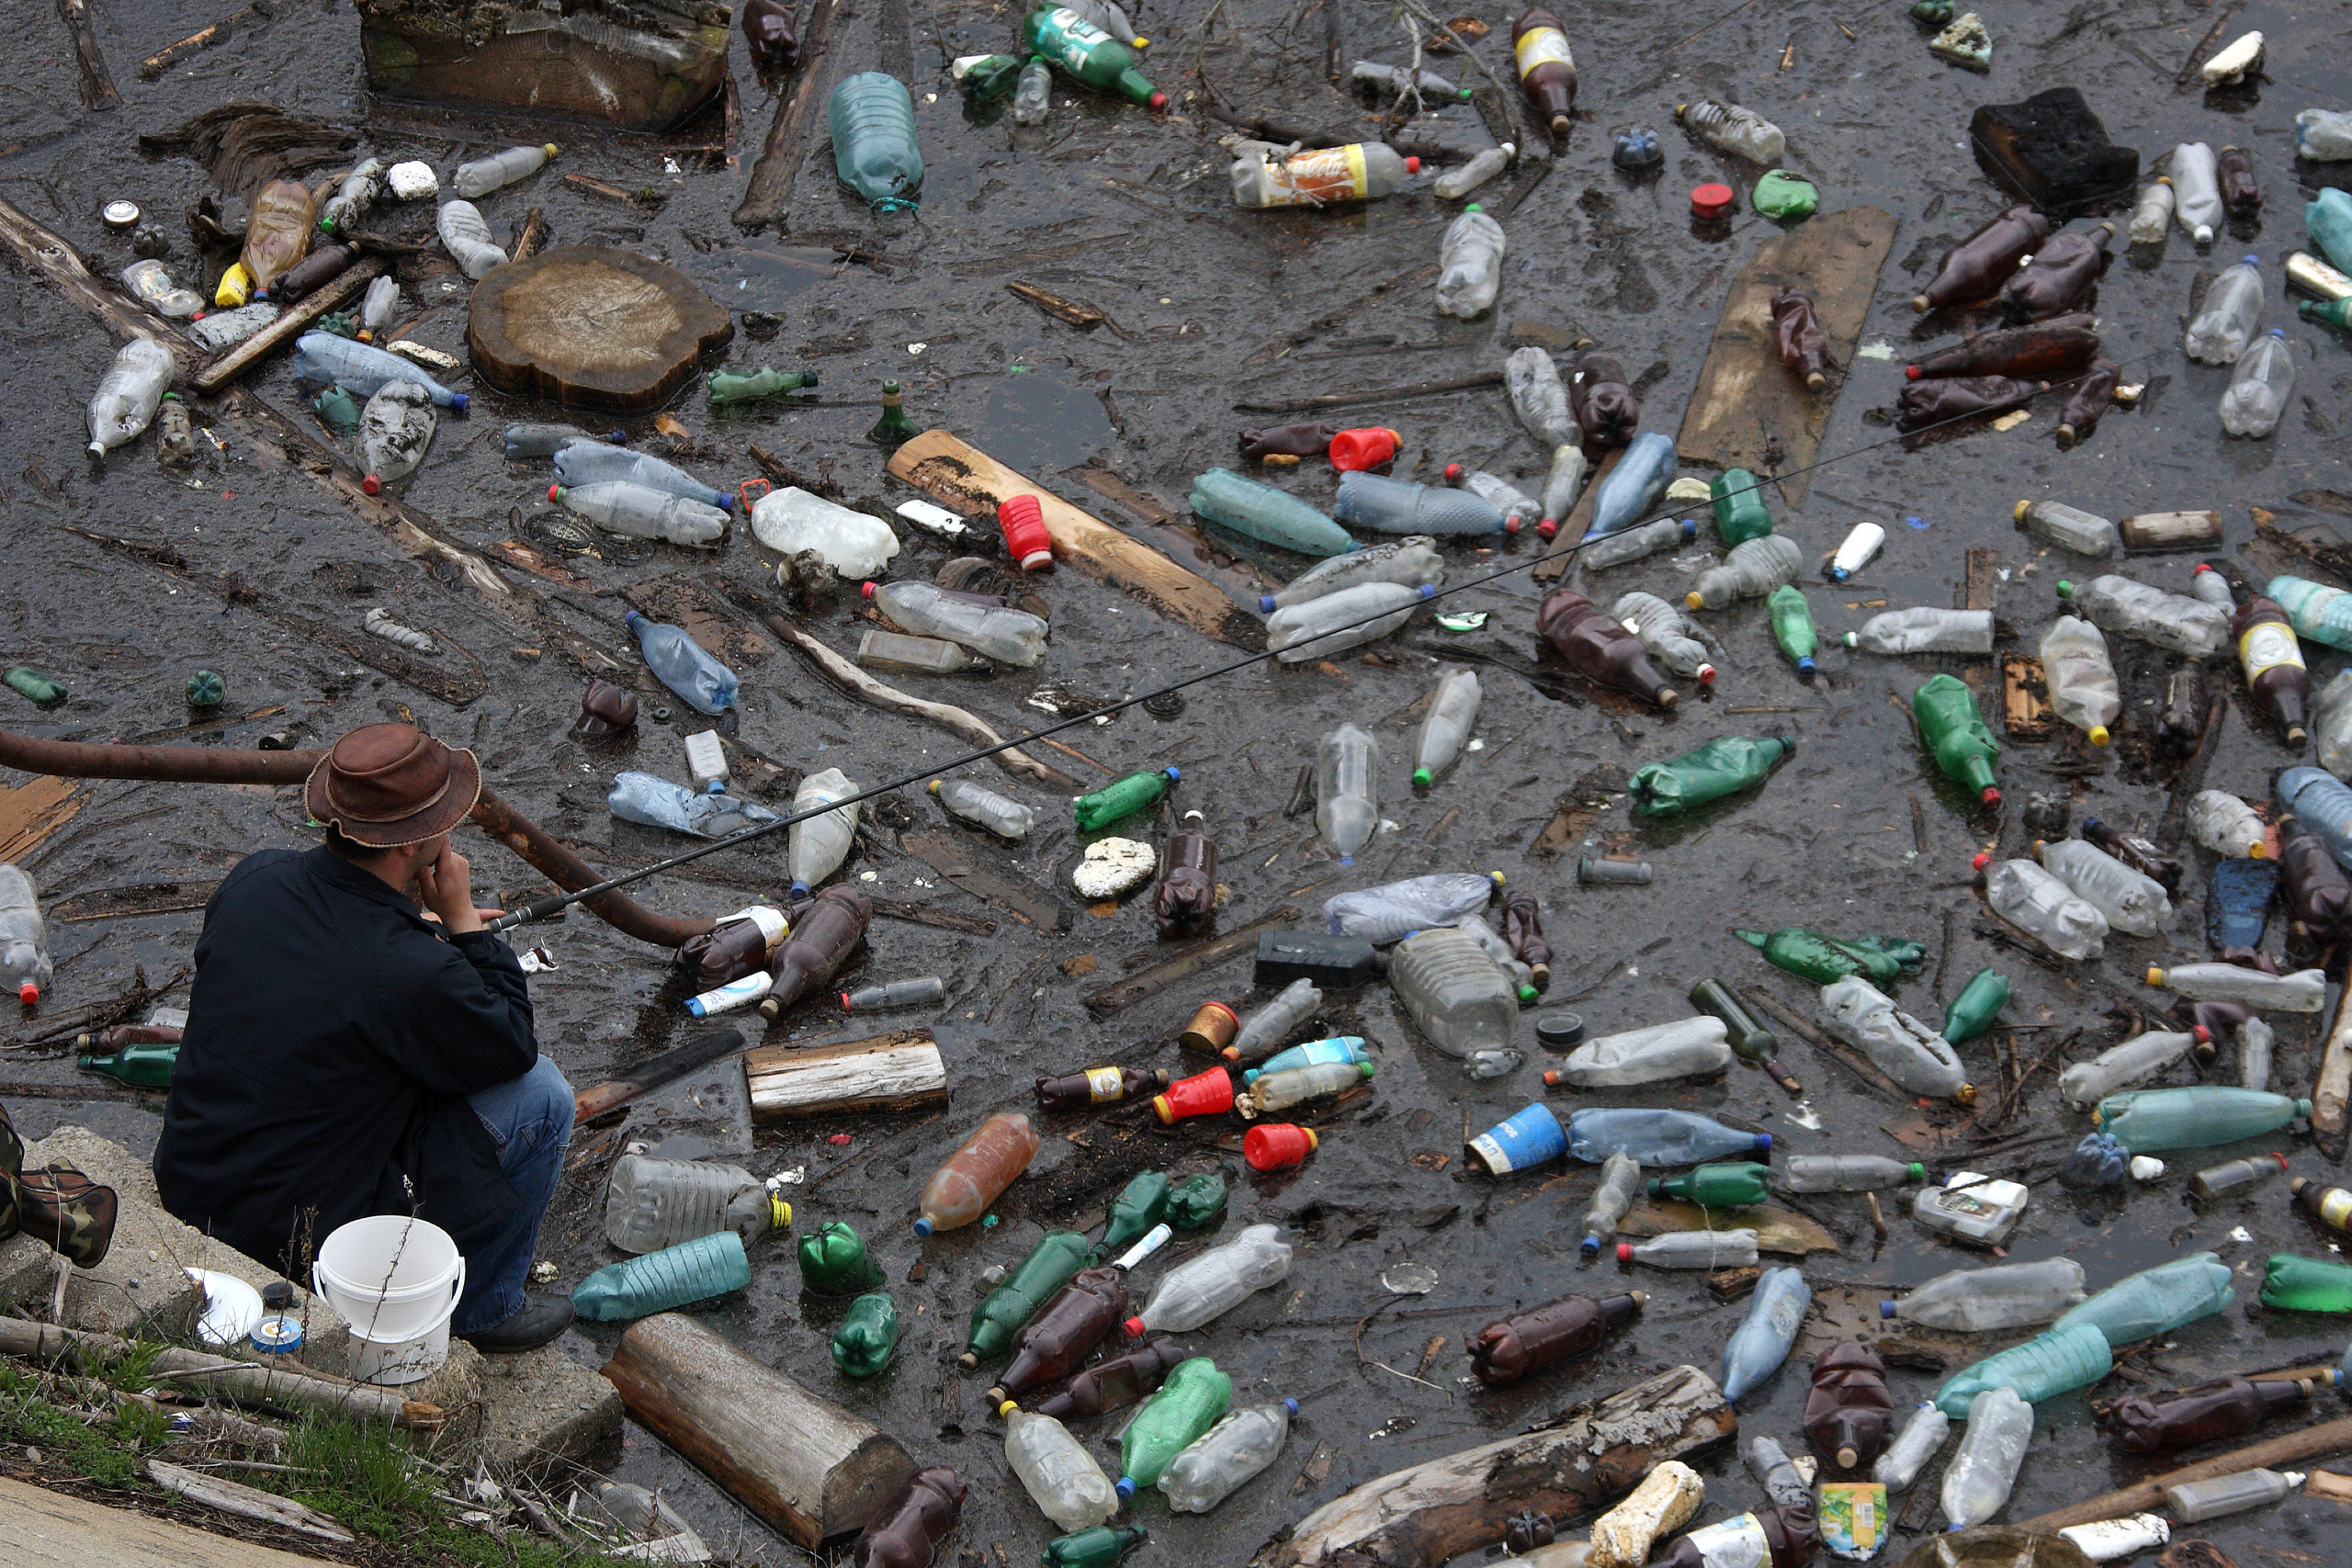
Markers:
point(447, 887)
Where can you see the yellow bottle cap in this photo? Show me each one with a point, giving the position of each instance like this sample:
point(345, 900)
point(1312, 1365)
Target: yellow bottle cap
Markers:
point(2098, 735)
point(2019, 512)
point(1695, 600)
point(2155, 975)
point(779, 1213)
point(549, 149)
point(1007, 1408)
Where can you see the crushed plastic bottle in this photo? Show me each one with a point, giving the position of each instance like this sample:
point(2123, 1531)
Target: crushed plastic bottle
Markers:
point(984, 808)
point(2130, 902)
point(1750, 571)
point(2151, 219)
point(2170, 621)
point(679, 663)
point(1978, 1480)
point(2197, 191)
point(1519, 508)
point(2221, 331)
point(1924, 629)
point(1347, 790)
point(2323, 135)
point(1908, 1051)
point(854, 544)
point(999, 632)
point(1761, 1342)
point(2069, 527)
point(1905, 1457)
point(1692, 1249)
point(2227, 825)
point(1670, 637)
point(1221, 1461)
point(1769, 1464)
point(2038, 903)
point(1394, 911)
point(1730, 128)
point(1470, 261)
point(150, 283)
point(1541, 401)
point(1621, 1183)
point(1395, 79)
point(362, 369)
point(1349, 619)
point(1686, 1048)
point(655, 802)
point(1209, 1284)
point(2261, 383)
point(621, 507)
point(129, 394)
point(1411, 562)
point(466, 237)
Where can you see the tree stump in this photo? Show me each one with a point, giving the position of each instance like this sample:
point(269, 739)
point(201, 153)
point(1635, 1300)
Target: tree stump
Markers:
point(591, 327)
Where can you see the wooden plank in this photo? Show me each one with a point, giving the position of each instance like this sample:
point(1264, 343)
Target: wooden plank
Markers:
point(2024, 714)
point(783, 153)
point(1744, 397)
point(240, 357)
point(952, 857)
point(1557, 559)
point(1983, 585)
point(1194, 961)
point(889, 1072)
point(2333, 1088)
point(32, 812)
point(50, 1530)
point(969, 480)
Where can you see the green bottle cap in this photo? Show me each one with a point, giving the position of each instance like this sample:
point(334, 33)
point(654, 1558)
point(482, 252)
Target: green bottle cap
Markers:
point(1422, 776)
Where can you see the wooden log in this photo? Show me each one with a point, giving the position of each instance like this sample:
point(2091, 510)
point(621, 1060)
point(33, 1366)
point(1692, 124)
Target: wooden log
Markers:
point(591, 327)
point(970, 481)
point(783, 151)
point(888, 1071)
point(240, 357)
point(804, 1465)
point(951, 855)
point(290, 1386)
point(651, 1073)
point(2333, 1086)
point(2274, 1453)
point(247, 1502)
point(1193, 961)
point(97, 85)
point(1584, 1459)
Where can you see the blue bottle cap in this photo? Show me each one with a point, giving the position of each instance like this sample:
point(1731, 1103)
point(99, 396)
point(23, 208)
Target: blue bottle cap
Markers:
point(2278, 331)
point(799, 889)
point(1838, 574)
point(617, 437)
point(631, 618)
point(1427, 591)
point(1690, 527)
point(1346, 860)
point(1174, 774)
point(922, 1226)
point(1291, 1405)
point(1591, 1247)
point(1764, 1142)
point(1804, 666)
point(1266, 605)
point(729, 503)
point(1125, 1487)
point(2254, 260)
point(457, 401)
point(1886, 1309)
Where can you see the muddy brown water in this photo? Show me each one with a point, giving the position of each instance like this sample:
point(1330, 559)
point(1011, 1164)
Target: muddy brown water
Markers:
point(1129, 212)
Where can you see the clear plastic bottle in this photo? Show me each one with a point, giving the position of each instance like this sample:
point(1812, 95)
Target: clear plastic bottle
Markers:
point(1686, 1048)
point(1773, 1471)
point(466, 238)
point(2197, 191)
point(2153, 217)
point(1470, 264)
point(642, 511)
point(1924, 629)
point(1347, 790)
point(1215, 1465)
point(2194, 1502)
point(1658, 1137)
point(1365, 171)
point(879, 650)
point(1905, 1457)
point(1621, 1183)
point(655, 802)
point(1728, 128)
point(873, 123)
point(1399, 506)
point(1671, 637)
point(586, 461)
point(1033, 97)
point(24, 939)
point(1270, 1027)
point(150, 283)
point(2233, 308)
point(539, 440)
point(983, 1166)
point(898, 996)
point(2225, 824)
point(1008, 635)
point(2210, 587)
point(696, 1270)
point(353, 196)
point(1565, 480)
point(1904, 1049)
point(1541, 401)
point(362, 369)
point(1862, 547)
point(2261, 382)
point(652, 1204)
point(1622, 549)
point(378, 309)
point(1322, 628)
point(217, 329)
point(2171, 621)
point(2323, 135)
point(1282, 1089)
point(1435, 89)
point(819, 845)
point(2322, 615)
point(1456, 995)
point(129, 393)
point(1751, 570)
point(1976, 1301)
point(175, 435)
point(2255, 1040)
point(1055, 1470)
point(984, 808)
point(1412, 562)
point(486, 175)
point(2130, 902)
point(2305, 991)
point(1692, 1249)
point(1519, 508)
point(1263, 512)
point(679, 663)
point(1445, 729)
point(1633, 486)
point(1845, 1173)
point(2196, 1118)
point(1457, 183)
point(2069, 527)
point(854, 544)
point(2031, 898)
point(1978, 1481)
point(1208, 1284)
point(1107, 16)
point(1760, 1342)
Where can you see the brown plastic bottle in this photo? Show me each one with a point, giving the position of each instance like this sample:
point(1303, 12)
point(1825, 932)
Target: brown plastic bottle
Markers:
point(1509, 1348)
point(1788, 1534)
point(1524, 929)
point(1185, 900)
point(605, 711)
point(2136, 852)
point(1097, 1086)
point(2241, 192)
point(1804, 347)
point(2055, 347)
point(2180, 727)
point(1923, 403)
point(825, 930)
point(1600, 646)
point(279, 234)
point(2094, 393)
point(1979, 265)
point(106, 1041)
point(2332, 1206)
point(319, 268)
point(911, 1526)
point(1072, 1322)
point(768, 27)
point(2209, 1021)
point(1847, 1411)
point(1547, 73)
point(2062, 274)
point(726, 953)
point(2273, 662)
point(987, 1162)
point(2223, 1409)
point(1117, 1382)
point(2318, 895)
point(1283, 445)
point(1604, 407)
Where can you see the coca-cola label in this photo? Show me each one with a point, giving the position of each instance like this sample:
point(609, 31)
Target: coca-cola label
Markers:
point(2265, 646)
point(1103, 1085)
point(1734, 1543)
point(1541, 46)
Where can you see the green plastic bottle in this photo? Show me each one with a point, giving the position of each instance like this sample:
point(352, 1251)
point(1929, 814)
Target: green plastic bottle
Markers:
point(834, 1261)
point(146, 1066)
point(1792, 625)
point(1784, 197)
point(1196, 1202)
point(2149, 1120)
point(2331, 313)
point(1972, 1012)
point(894, 429)
point(1738, 1186)
point(988, 77)
point(343, 323)
point(1809, 955)
point(1954, 734)
point(1740, 507)
point(1067, 39)
point(1132, 1213)
point(874, 150)
point(2051, 1363)
point(1057, 1257)
point(2305, 1284)
point(1936, 11)
point(205, 689)
point(1121, 799)
point(868, 1337)
point(36, 686)
point(336, 409)
point(1722, 766)
point(726, 387)
point(1097, 1547)
point(1188, 1405)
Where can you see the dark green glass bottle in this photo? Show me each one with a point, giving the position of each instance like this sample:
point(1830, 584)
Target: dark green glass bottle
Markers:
point(1132, 1213)
point(1749, 1039)
point(1739, 1186)
point(146, 1066)
point(1196, 1202)
point(894, 429)
point(1018, 1296)
point(834, 1261)
point(1097, 1547)
point(868, 1336)
point(991, 77)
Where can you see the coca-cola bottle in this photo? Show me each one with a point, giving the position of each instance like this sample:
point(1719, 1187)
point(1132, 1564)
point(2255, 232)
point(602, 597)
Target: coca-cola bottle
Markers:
point(1064, 1331)
point(1547, 73)
point(2140, 854)
point(2088, 403)
point(1509, 1348)
point(1285, 444)
point(2226, 1409)
point(1925, 404)
point(1185, 900)
point(2062, 274)
point(2273, 661)
point(2054, 347)
point(1598, 645)
point(1603, 406)
point(1804, 347)
point(1121, 1381)
point(1979, 265)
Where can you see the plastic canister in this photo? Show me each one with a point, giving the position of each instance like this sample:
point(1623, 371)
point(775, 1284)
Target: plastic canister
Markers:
point(1532, 1137)
point(1277, 1145)
point(399, 1315)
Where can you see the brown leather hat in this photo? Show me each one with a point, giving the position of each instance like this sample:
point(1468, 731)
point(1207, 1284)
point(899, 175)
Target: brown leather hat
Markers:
point(385, 785)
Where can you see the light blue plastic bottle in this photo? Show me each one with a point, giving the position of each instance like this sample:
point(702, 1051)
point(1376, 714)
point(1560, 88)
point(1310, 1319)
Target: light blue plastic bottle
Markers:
point(1398, 506)
point(2156, 1300)
point(1633, 486)
point(1658, 1137)
point(2321, 803)
point(679, 663)
point(1261, 511)
point(873, 122)
point(693, 1271)
point(655, 802)
point(2051, 1363)
point(1338, 1048)
point(2320, 613)
point(363, 370)
point(587, 462)
point(2330, 221)
point(2151, 1121)
point(1761, 1342)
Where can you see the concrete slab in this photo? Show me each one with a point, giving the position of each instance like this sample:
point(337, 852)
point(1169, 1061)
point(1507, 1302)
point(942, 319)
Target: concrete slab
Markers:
point(543, 1407)
point(50, 1530)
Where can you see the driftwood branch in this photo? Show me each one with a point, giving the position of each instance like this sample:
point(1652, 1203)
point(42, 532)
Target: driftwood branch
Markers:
point(97, 85)
point(163, 58)
point(781, 157)
point(2275, 1453)
point(1373, 394)
point(247, 1502)
point(289, 1387)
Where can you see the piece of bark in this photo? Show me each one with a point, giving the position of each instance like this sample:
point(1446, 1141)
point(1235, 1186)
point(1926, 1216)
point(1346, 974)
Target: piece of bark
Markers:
point(950, 855)
point(1983, 583)
point(770, 189)
point(240, 357)
point(2333, 1086)
point(592, 327)
point(2274, 1453)
point(969, 482)
point(803, 1464)
point(668, 1067)
point(247, 1502)
point(1587, 1457)
point(645, 197)
point(529, 236)
point(889, 1072)
point(97, 85)
point(1195, 961)
point(1075, 312)
point(2024, 714)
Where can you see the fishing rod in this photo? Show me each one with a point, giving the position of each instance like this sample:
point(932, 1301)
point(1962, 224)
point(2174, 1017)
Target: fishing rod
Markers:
point(549, 908)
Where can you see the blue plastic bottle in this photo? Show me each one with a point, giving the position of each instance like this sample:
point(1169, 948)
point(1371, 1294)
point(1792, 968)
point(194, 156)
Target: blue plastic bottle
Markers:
point(2318, 800)
point(1658, 1137)
point(2052, 1362)
point(1338, 1048)
point(362, 370)
point(1261, 511)
point(2156, 1300)
point(873, 122)
point(1633, 486)
point(693, 1271)
point(678, 661)
point(1761, 1342)
point(589, 462)
point(1399, 506)
point(2330, 221)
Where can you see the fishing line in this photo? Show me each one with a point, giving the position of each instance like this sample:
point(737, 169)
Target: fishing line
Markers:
point(547, 909)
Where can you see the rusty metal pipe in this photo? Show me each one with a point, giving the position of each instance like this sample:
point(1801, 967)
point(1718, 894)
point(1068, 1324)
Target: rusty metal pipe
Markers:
point(206, 764)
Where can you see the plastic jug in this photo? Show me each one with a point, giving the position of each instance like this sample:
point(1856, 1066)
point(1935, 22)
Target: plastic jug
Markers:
point(854, 544)
point(1456, 995)
point(872, 124)
point(652, 1204)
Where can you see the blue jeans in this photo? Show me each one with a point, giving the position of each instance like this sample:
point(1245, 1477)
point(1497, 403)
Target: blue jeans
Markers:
point(529, 1119)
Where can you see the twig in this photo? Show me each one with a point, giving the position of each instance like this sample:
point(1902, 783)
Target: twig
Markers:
point(1735, 10)
point(1374, 394)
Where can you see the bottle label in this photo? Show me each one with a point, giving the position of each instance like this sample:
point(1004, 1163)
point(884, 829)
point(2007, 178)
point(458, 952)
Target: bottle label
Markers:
point(2335, 1208)
point(1734, 1543)
point(1067, 39)
point(1329, 173)
point(1849, 1516)
point(1541, 46)
point(1104, 1085)
point(2265, 646)
point(774, 927)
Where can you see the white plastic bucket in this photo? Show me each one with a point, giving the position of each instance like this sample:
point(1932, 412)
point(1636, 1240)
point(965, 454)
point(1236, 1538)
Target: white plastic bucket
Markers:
point(396, 1281)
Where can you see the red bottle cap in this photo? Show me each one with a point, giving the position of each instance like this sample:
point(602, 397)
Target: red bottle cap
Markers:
point(1711, 201)
point(1277, 1145)
point(1912, 372)
point(865, 590)
point(371, 484)
point(1133, 1328)
point(1412, 166)
point(1454, 473)
point(28, 994)
point(1984, 859)
point(1549, 526)
point(846, 1007)
point(1992, 795)
point(1023, 522)
point(1706, 674)
point(554, 488)
point(1625, 1252)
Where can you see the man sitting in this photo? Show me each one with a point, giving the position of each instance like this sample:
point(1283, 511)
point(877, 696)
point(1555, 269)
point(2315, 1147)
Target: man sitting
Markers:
point(345, 1055)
